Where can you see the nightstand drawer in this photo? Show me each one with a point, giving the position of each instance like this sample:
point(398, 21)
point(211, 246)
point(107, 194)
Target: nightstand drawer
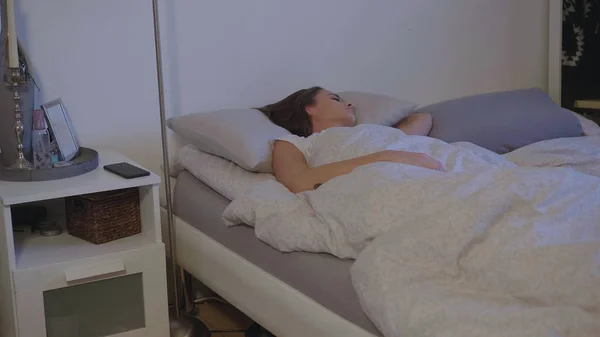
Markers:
point(48, 277)
point(131, 305)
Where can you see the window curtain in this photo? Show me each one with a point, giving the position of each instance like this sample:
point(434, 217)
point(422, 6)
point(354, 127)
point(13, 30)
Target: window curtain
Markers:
point(581, 51)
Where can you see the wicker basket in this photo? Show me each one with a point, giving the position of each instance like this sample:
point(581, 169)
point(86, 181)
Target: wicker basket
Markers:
point(105, 216)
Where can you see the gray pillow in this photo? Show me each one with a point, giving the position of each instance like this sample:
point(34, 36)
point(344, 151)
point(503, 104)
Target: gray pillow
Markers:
point(244, 135)
point(378, 109)
point(502, 121)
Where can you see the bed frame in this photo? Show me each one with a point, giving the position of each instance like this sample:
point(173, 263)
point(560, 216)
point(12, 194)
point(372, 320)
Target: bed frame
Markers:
point(278, 307)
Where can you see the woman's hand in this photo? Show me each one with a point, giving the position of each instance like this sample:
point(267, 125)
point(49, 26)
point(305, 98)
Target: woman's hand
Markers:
point(411, 158)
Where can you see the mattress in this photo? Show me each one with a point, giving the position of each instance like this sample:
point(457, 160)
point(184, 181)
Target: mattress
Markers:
point(322, 277)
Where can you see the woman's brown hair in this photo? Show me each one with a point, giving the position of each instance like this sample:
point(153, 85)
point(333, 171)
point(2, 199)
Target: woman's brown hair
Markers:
point(290, 113)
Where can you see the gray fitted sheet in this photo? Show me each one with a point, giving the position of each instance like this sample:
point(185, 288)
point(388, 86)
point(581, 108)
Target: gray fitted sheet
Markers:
point(322, 277)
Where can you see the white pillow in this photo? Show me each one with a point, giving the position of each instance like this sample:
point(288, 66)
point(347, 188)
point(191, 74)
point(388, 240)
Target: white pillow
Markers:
point(589, 127)
point(372, 108)
point(241, 135)
point(225, 177)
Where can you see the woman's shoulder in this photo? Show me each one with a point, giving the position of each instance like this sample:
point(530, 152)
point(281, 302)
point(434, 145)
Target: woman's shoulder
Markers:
point(301, 143)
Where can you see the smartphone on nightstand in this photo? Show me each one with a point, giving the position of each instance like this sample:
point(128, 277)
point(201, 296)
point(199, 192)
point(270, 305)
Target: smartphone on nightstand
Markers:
point(126, 170)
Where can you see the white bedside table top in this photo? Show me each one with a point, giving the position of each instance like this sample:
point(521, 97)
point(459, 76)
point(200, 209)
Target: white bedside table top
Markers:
point(99, 180)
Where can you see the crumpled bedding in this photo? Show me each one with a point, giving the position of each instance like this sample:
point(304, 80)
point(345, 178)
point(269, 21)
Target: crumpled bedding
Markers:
point(495, 246)
point(580, 153)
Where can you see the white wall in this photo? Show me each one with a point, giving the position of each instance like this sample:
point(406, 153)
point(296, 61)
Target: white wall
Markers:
point(98, 55)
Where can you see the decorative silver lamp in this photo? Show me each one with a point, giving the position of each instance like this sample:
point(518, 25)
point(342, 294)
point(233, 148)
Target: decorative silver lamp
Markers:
point(16, 79)
point(181, 325)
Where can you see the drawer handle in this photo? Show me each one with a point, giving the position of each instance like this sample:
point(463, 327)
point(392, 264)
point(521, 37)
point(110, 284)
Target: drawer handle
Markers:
point(95, 270)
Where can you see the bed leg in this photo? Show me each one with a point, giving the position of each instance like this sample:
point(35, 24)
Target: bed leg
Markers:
point(191, 299)
point(188, 292)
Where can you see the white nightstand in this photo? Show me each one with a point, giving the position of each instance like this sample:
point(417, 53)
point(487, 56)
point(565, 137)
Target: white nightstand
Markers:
point(65, 286)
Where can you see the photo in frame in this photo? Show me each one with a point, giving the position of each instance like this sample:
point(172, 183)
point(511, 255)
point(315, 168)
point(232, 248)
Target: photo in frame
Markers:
point(61, 129)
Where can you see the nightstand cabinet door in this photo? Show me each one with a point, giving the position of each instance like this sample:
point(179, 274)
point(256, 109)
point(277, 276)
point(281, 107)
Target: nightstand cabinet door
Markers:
point(126, 304)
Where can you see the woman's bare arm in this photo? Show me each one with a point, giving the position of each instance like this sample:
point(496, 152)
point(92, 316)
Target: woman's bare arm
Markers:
point(292, 170)
point(418, 124)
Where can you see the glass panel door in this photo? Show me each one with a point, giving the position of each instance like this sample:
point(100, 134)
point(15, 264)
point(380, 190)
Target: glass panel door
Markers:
point(96, 309)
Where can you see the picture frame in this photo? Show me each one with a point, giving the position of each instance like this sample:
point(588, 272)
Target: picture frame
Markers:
point(61, 129)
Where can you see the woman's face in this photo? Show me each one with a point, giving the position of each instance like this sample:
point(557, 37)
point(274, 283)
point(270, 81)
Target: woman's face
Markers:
point(330, 109)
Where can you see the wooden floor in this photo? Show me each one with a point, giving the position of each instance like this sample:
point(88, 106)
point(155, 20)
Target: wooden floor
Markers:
point(219, 316)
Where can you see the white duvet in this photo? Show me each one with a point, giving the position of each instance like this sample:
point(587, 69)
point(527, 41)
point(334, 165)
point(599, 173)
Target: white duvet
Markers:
point(495, 246)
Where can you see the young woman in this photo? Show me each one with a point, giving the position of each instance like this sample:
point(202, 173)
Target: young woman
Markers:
point(311, 111)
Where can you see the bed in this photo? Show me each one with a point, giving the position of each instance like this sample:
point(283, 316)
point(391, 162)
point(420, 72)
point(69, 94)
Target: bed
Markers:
point(299, 294)
point(309, 292)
